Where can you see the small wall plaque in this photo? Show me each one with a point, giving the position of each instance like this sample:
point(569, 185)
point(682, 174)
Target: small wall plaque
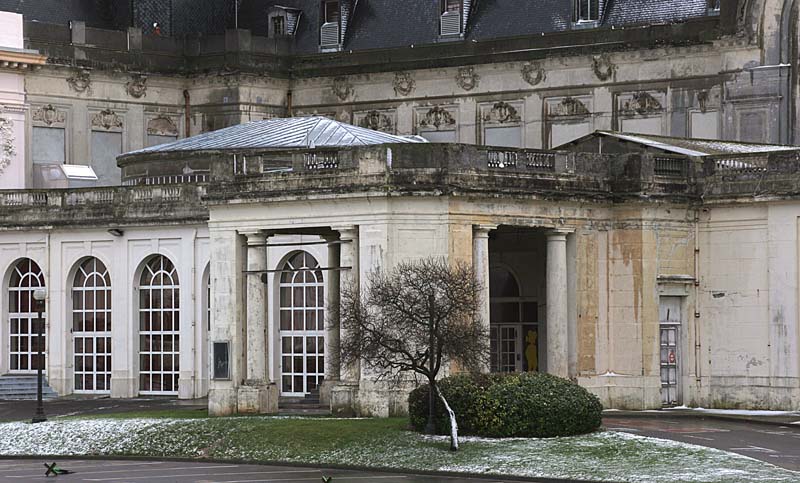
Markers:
point(221, 360)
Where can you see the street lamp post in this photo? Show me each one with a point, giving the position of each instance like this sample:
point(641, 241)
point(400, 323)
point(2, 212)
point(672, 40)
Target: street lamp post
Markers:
point(39, 295)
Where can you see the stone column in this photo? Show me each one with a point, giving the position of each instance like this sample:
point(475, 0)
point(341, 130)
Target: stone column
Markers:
point(343, 396)
point(480, 264)
point(332, 367)
point(256, 395)
point(256, 310)
point(557, 314)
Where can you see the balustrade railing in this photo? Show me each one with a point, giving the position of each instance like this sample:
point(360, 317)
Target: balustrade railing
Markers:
point(321, 160)
point(670, 167)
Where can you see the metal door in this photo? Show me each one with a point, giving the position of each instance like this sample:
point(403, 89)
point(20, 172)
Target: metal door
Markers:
point(670, 323)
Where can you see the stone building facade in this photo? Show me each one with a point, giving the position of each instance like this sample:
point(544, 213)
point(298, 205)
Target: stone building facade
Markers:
point(618, 258)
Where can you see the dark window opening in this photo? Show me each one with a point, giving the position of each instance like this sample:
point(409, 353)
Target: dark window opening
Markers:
point(451, 6)
point(331, 11)
point(587, 10)
point(278, 26)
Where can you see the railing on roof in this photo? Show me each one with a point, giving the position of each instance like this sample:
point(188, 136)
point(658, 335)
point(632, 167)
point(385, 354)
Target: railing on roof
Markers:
point(105, 196)
point(537, 161)
point(670, 166)
point(166, 179)
point(741, 164)
point(321, 160)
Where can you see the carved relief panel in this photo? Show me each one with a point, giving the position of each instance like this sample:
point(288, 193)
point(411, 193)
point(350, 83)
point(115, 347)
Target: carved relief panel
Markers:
point(501, 123)
point(7, 149)
point(704, 114)
point(107, 142)
point(162, 128)
point(437, 123)
point(377, 120)
point(642, 112)
point(106, 120)
point(49, 138)
point(567, 118)
point(48, 116)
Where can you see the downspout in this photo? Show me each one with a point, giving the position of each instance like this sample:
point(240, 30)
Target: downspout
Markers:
point(48, 297)
point(187, 109)
point(289, 106)
point(697, 344)
point(786, 135)
point(197, 339)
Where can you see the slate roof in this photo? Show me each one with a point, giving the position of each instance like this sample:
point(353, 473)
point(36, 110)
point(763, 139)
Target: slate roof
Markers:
point(638, 12)
point(375, 24)
point(688, 146)
point(282, 133)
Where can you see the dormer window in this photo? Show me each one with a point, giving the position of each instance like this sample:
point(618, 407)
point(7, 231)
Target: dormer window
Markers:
point(588, 10)
point(329, 31)
point(451, 17)
point(282, 21)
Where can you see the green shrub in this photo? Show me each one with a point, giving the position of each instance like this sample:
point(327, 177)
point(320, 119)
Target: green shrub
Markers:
point(510, 405)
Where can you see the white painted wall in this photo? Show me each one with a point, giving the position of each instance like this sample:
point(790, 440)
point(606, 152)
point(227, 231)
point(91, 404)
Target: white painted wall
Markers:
point(59, 252)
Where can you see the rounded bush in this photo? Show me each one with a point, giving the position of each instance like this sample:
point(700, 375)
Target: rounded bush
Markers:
point(530, 405)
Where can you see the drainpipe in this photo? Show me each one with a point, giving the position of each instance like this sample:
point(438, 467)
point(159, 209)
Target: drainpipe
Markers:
point(697, 344)
point(197, 340)
point(289, 107)
point(187, 113)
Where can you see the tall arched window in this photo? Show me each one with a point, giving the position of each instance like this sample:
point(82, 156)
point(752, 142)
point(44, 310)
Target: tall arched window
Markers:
point(26, 277)
point(302, 326)
point(91, 327)
point(159, 327)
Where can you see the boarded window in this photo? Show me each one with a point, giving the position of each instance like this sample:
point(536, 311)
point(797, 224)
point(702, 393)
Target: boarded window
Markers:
point(106, 146)
point(48, 146)
point(505, 136)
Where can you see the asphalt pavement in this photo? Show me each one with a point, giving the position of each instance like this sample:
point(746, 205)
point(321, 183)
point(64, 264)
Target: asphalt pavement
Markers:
point(108, 471)
point(778, 444)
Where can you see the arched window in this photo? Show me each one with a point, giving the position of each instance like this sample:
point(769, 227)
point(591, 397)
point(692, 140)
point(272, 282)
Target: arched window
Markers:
point(159, 327)
point(302, 325)
point(514, 324)
point(91, 327)
point(26, 277)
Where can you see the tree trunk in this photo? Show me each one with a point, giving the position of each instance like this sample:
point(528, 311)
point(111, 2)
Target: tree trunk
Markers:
point(453, 423)
point(430, 428)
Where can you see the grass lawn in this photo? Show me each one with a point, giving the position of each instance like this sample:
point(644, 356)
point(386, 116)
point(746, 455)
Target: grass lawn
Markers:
point(383, 443)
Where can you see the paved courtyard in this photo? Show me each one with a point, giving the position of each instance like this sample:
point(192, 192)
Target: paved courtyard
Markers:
point(16, 471)
point(773, 443)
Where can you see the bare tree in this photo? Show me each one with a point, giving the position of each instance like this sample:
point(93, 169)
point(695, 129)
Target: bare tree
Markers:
point(413, 319)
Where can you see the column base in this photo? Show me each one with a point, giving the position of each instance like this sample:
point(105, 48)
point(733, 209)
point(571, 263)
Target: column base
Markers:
point(259, 399)
point(325, 390)
point(344, 399)
point(222, 401)
point(124, 387)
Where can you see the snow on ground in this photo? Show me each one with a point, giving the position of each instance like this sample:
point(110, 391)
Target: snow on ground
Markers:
point(605, 455)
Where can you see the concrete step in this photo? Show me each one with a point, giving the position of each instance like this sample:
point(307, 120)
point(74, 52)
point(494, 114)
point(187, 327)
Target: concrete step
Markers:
point(23, 387)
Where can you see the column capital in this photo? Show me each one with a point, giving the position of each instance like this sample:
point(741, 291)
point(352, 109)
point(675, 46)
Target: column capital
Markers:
point(346, 231)
point(558, 234)
point(483, 229)
point(255, 237)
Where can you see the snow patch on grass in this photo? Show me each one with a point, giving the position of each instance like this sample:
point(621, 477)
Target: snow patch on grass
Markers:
point(608, 455)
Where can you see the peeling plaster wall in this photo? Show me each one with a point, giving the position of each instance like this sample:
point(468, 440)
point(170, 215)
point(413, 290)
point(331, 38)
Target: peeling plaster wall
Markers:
point(749, 294)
